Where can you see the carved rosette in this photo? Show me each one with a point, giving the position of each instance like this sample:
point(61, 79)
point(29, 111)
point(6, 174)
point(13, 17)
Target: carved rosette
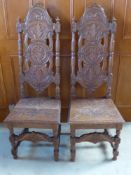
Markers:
point(38, 74)
point(38, 53)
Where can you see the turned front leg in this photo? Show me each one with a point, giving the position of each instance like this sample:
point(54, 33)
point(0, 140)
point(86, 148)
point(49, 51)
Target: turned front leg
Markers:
point(116, 145)
point(72, 142)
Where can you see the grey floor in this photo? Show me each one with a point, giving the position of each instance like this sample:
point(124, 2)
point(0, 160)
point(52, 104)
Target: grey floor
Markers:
point(37, 159)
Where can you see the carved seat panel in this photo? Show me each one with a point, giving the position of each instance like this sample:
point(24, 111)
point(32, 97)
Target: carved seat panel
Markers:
point(94, 112)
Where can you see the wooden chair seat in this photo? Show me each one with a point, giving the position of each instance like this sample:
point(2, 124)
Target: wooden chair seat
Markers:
point(37, 111)
point(95, 113)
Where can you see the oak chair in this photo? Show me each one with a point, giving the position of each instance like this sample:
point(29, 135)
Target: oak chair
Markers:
point(39, 69)
point(94, 59)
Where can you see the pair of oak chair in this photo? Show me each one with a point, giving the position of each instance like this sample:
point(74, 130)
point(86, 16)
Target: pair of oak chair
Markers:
point(90, 67)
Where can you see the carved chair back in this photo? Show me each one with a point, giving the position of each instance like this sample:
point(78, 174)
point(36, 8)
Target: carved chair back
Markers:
point(36, 50)
point(95, 50)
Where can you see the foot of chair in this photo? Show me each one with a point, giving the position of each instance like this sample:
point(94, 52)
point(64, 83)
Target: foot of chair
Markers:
point(56, 148)
point(73, 153)
point(115, 145)
point(13, 143)
point(73, 150)
point(14, 153)
point(72, 141)
point(56, 155)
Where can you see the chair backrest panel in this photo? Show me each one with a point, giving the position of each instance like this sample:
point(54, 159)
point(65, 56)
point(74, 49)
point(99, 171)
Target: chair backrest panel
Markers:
point(38, 24)
point(93, 24)
point(94, 48)
point(36, 51)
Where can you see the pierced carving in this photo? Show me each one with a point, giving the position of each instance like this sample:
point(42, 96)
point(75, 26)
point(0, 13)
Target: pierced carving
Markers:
point(37, 65)
point(94, 49)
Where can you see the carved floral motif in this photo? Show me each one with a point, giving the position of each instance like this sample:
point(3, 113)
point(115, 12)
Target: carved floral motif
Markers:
point(38, 53)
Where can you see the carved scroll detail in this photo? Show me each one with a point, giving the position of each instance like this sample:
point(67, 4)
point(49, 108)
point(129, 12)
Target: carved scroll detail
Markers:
point(95, 138)
point(33, 136)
